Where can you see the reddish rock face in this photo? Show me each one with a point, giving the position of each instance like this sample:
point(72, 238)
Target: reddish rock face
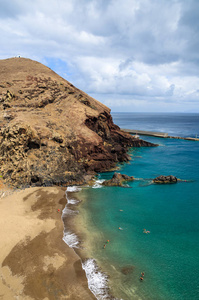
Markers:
point(50, 131)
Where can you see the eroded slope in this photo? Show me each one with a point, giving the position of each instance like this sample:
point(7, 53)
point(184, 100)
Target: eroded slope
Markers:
point(51, 132)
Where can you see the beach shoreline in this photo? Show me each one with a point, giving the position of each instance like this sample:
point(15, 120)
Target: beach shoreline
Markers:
point(76, 235)
point(94, 249)
point(35, 262)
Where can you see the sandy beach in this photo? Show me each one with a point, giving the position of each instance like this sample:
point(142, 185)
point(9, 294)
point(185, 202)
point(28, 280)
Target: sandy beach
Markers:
point(35, 263)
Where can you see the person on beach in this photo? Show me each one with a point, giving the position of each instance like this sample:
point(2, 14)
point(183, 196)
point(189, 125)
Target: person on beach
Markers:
point(104, 246)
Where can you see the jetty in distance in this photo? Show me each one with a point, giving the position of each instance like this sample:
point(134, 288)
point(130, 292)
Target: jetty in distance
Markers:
point(158, 134)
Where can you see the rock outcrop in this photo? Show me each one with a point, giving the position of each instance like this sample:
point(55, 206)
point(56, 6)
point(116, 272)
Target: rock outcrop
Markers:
point(50, 131)
point(118, 180)
point(165, 179)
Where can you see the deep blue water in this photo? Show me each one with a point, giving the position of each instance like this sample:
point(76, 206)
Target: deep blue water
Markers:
point(169, 254)
point(175, 124)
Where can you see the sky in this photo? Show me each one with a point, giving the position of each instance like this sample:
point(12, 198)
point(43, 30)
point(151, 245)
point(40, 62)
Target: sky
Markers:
point(132, 55)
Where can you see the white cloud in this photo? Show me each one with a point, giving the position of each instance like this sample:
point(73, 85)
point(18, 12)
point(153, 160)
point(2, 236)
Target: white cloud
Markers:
point(140, 50)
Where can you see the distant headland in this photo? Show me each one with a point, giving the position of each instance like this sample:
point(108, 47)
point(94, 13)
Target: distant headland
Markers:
point(159, 134)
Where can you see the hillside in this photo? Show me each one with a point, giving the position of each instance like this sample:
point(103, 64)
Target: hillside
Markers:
point(50, 131)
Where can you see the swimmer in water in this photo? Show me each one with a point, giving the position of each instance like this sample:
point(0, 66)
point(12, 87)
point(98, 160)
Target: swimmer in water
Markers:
point(145, 231)
point(141, 278)
point(120, 228)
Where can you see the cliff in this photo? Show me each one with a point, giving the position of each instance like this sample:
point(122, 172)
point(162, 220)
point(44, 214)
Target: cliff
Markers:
point(50, 131)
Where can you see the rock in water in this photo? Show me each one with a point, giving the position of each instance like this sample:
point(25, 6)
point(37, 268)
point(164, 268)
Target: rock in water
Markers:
point(118, 180)
point(165, 179)
point(50, 131)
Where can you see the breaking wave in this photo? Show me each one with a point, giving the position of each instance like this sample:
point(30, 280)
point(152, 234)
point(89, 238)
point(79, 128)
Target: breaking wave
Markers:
point(97, 281)
point(72, 201)
point(73, 189)
point(98, 183)
point(68, 211)
point(71, 239)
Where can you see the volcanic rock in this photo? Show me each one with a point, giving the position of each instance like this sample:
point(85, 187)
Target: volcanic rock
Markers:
point(118, 180)
point(50, 131)
point(165, 179)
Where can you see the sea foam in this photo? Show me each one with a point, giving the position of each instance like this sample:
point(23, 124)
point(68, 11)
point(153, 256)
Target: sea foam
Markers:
point(98, 183)
point(68, 211)
point(70, 238)
point(97, 281)
point(73, 189)
point(72, 201)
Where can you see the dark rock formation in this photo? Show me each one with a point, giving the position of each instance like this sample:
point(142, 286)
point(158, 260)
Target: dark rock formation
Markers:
point(52, 132)
point(165, 179)
point(118, 180)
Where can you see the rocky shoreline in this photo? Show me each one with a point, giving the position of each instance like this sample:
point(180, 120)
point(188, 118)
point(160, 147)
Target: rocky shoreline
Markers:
point(52, 133)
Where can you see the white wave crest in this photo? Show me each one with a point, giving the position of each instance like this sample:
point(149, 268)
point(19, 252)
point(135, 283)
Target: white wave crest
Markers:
point(68, 211)
point(97, 281)
point(73, 189)
point(71, 239)
point(72, 201)
point(98, 183)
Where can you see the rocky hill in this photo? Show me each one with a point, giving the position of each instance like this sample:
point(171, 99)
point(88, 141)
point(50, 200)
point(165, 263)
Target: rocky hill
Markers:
point(50, 131)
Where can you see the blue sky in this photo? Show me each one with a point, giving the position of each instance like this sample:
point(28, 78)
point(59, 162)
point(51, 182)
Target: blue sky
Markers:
point(132, 55)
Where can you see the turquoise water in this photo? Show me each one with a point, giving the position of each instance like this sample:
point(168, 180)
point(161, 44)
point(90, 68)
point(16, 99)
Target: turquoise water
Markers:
point(169, 254)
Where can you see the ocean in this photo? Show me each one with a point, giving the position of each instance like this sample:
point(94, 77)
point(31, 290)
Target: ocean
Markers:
point(115, 250)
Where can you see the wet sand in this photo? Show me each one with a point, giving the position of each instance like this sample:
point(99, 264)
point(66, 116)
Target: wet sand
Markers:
point(35, 263)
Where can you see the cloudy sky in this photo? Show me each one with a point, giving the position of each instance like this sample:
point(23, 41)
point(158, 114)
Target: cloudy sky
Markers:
point(132, 55)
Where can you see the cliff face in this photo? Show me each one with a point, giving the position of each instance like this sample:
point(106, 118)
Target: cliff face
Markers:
point(50, 131)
